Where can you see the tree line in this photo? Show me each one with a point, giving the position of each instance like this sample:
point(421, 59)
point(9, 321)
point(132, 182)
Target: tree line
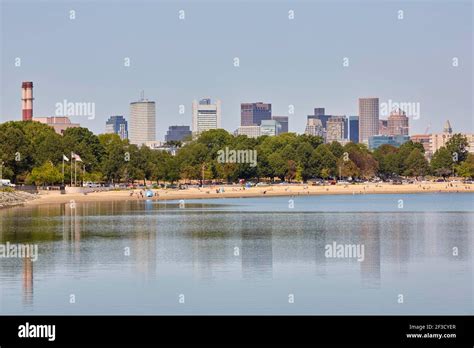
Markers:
point(32, 152)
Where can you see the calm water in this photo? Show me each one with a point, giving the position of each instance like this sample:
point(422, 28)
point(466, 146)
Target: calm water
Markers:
point(243, 256)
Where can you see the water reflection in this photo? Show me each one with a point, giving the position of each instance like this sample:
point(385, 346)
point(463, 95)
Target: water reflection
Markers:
point(257, 252)
point(370, 239)
point(27, 281)
point(178, 248)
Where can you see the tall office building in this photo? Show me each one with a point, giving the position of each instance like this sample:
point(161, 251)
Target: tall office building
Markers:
point(335, 129)
point(270, 127)
point(368, 118)
point(354, 129)
point(398, 123)
point(383, 127)
point(249, 131)
point(142, 122)
point(314, 127)
point(117, 125)
point(283, 121)
point(319, 114)
point(252, 114)
point(206, 115)
point(319, 111)
point(177, 133)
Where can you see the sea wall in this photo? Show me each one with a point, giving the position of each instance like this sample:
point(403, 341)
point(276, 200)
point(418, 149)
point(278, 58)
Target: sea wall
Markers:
point(11, 198)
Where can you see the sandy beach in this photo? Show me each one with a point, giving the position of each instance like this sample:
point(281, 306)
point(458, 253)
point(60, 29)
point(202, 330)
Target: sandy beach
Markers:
point(49, 197)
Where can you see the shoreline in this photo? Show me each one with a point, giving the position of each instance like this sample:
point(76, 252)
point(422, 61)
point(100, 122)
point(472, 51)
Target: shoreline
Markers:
point(9, 199)
point(54, 197)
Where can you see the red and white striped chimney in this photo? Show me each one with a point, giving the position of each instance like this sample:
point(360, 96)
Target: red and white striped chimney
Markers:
point(27, 100)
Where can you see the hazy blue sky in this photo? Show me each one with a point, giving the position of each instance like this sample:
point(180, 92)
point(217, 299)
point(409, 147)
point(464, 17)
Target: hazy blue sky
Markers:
point(282, 61)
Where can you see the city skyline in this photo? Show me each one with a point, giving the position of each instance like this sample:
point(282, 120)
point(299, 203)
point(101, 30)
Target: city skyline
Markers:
point(258, 120)
point(172, 77)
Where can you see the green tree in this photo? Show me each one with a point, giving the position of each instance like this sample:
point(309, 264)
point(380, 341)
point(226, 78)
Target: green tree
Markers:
point(442, 162)
point(466, 168)
point(458, 147)
point(388, 160)
point(416, 164)
point(348, 168)
point(86, 144)
point(303, 157)
point(336, 149)
point(45, 174)
point(323, 162)
point(113, 157)
point(278, 165)
point(363, 159)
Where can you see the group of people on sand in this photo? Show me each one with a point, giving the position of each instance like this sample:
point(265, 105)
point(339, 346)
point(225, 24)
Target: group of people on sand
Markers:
point(142, 194)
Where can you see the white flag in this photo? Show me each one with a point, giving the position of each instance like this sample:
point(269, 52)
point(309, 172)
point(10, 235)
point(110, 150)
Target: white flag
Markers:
point(65, 158)
point(76, 157)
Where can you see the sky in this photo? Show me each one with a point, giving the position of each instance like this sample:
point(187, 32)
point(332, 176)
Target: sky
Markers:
point(282, 61)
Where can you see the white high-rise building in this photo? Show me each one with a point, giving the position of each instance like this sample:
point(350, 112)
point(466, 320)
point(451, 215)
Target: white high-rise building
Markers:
point(335, 129)
point(368, 118)
point(270, 127)
point(250, 131)
point(314, 126)
point(142, 122)
point(206, 115)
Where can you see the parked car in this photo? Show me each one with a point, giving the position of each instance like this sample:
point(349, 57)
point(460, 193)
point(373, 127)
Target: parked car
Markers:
point(90, 184)
point(6, 182)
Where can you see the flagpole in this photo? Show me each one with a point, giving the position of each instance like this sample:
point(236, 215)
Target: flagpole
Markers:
point(63, 169)
point(71, 167)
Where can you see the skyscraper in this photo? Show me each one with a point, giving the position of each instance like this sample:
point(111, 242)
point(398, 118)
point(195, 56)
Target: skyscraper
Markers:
point(319, 114)
point(177, 133)
point(335, 129)
point(252, 114)
point(383, 127)
point(398, 123)
point(142, 122)
point(270, 127)
point(283, 121)
point(319, 111)
point(206, 115)
point(314, 127)
point(354, 129)
point(368, 118)
point(117, 125)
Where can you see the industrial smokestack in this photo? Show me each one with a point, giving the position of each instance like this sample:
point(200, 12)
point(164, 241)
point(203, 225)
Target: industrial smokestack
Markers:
point(27, 100)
